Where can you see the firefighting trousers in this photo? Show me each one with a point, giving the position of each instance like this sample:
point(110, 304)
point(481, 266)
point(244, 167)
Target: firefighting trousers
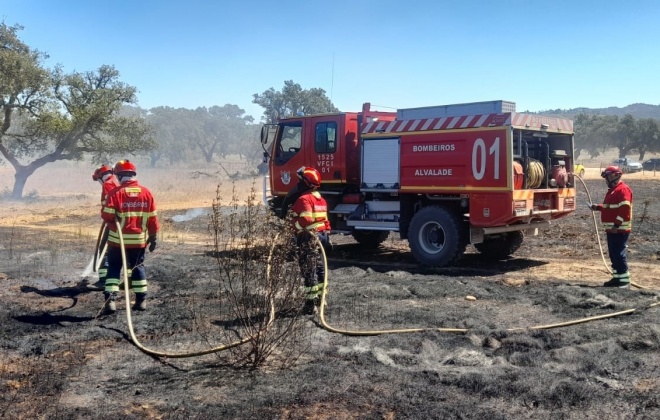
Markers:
point(311, 264)
point(135, 265)
point(616, 247)
point(103, 268)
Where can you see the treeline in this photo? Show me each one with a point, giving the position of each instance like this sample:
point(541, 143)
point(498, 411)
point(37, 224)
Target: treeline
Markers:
point(184, 135)
point(597, 133)
point(187, 134)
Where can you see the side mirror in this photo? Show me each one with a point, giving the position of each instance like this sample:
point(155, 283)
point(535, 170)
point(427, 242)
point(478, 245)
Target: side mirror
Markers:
point(264, 134)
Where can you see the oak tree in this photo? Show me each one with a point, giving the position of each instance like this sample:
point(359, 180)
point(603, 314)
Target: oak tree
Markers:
point(48, 115)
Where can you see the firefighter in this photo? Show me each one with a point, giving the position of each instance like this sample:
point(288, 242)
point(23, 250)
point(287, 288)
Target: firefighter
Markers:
point(616, 216)
point(310, 217)
point(131, 207)
point(108, 182)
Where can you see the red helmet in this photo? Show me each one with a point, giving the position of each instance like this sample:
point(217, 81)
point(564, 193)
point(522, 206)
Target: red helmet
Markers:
point(125, 166)
point(310, 176)
point(98, 174)
point(611, 170)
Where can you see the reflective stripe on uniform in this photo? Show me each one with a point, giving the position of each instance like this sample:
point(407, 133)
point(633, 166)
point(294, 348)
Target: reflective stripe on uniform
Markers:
point(139, 286)
point(623, 276)
point(111, 285)
point(616, 206)
point(623, 226)
point(129, 238)
point(313, 292)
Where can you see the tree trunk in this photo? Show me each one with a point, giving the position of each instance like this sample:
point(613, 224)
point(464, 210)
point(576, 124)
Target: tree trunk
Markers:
point(20, 178)
point(154, 158)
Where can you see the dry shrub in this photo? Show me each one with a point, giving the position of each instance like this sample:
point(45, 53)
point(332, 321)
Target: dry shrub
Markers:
point(259, 287)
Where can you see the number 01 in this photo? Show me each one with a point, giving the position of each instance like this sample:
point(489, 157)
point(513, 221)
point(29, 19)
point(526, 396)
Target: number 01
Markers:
point(479, 158)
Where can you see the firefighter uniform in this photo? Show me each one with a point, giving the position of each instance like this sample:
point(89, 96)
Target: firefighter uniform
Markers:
point(616, 217)
point(132, 207)
point(109, 184)
point(310, 217)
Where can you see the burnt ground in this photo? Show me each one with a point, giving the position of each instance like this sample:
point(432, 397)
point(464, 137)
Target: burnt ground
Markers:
point(59, 358)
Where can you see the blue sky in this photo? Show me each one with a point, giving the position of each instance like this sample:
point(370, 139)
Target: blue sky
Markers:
point(540, 54)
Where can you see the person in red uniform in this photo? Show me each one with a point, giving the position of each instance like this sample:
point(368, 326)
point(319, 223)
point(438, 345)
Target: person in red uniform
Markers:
point(616, 216)
point(310, 217)
point(131, 207)
point(109, 182)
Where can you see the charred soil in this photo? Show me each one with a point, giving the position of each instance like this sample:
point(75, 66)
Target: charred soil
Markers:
point(60, 358)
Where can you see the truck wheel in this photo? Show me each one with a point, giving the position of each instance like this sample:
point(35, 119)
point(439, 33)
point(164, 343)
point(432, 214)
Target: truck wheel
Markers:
point(436, 236)
point(501, 246)
point(581, 173)
point(370, 239)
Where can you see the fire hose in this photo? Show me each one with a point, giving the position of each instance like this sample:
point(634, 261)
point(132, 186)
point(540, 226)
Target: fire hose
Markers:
point(323, 322)
point(332, 329)
point(98, 256)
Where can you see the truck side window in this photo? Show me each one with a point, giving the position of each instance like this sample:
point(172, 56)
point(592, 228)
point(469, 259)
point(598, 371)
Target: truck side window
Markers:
point(325, 139)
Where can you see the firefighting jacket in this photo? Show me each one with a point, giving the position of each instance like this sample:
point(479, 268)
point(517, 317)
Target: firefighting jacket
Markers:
point(108, 186)
point(616, 210)
point(134, 208)
point(310, 212)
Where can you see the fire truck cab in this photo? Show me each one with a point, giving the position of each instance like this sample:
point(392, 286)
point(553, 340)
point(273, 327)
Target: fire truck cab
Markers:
point(441, 176)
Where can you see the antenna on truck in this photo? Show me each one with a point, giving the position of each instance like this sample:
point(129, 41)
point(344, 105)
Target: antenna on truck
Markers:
point(332, 78)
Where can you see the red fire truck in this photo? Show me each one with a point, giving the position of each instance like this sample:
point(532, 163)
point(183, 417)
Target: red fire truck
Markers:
point(441, 176)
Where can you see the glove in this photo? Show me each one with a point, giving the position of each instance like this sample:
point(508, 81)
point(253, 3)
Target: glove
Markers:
point(152, 241)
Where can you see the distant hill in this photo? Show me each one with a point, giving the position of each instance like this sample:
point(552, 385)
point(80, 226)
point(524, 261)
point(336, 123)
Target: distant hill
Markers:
point(636, 110)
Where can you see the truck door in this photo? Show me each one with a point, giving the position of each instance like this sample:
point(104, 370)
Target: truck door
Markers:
point(288, 155)
point(325, 156)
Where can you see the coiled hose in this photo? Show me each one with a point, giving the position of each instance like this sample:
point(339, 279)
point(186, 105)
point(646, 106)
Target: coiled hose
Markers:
point(535, 174)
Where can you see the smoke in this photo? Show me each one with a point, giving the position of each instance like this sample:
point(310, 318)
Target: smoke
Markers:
point(190, 214)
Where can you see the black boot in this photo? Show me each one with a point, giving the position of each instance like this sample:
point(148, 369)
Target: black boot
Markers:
point(140, 302)
point(110, 305)
point(614, 282)
point(310, 307)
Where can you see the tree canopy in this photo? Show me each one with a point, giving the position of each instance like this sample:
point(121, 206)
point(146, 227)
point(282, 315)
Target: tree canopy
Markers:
point(292, 100)
point(48, 115)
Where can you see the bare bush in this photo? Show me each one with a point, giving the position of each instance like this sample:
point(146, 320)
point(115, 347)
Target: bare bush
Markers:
point(258, 287)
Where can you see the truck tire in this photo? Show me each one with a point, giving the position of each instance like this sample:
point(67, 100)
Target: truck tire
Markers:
point(436, 236)
point(581, 173)
point(501, 246)
point(370, 239)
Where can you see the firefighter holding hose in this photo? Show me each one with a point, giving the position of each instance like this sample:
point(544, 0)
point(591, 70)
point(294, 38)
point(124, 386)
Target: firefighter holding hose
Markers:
point(309, 219)
point(109, 182)
point(131, 208)
point(616, 217)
